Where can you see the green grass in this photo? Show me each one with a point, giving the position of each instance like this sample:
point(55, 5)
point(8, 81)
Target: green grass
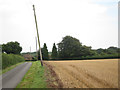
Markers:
point(9, 68)
point(34, 78)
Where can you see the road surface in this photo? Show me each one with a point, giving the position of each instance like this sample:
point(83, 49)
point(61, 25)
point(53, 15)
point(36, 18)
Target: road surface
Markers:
point(14, 76)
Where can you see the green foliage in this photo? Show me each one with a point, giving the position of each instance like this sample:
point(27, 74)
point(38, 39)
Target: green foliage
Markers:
point(71, 47)
point(86, 51)
point(118, 50)
point(44, 51)
point(12, 48)
point(0, 48)
point(110, 50)
point(10, 59)
point(105, 56)
point(54, 52)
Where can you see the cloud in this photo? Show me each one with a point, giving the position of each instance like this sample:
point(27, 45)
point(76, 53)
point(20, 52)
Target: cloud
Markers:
point(92, 23)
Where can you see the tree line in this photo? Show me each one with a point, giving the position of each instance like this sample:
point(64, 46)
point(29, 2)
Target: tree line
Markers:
point(72, 48)
point(68, 48)
point(11, 54)
point(47, 55)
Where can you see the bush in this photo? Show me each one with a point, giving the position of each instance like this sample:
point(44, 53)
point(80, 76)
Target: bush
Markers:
point(10, 59)
point(106, 56)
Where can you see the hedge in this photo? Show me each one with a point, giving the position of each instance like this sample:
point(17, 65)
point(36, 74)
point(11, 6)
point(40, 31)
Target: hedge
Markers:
point(107, 56)
point(10, 59)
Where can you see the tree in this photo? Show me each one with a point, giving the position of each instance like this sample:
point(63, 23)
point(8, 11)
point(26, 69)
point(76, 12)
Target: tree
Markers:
point(112, 50)
point(71, 47)
point(12, 47)
point(118, 51)
point(44, 51)
point(87, 51)
point(0, 48)
point(101, 51)
point(54, 52)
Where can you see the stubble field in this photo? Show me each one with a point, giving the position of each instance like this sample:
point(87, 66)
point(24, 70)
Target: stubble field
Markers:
point(86, 73)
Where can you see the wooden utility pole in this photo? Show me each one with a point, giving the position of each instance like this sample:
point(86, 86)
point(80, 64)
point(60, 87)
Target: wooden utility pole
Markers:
point(36, 48)
point(38, 35)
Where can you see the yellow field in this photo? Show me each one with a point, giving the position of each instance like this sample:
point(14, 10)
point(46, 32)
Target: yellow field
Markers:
point(102, 73)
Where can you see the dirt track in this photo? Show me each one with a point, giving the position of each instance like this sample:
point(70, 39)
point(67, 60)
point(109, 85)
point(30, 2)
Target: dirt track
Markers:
point(87, 73)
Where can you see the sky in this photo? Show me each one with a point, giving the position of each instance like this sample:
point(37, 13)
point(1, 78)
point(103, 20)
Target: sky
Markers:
point(93, 22)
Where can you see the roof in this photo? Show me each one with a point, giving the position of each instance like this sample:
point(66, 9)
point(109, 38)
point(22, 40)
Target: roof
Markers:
point(27, 57)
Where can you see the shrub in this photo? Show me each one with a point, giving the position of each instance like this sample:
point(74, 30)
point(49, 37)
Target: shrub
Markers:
point(10, 59)
point(105, 56)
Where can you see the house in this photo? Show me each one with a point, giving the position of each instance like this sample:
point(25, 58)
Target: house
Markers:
point(27, 57)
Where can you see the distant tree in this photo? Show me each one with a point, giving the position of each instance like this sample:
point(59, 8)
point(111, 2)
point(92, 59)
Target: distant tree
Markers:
point(54, 52)
point(112, 50)
point(44, 51)
point(0, 48)
point(101, 51)
point(12, 47)
point(71, 47)
point(118, 51)
point(87, 51)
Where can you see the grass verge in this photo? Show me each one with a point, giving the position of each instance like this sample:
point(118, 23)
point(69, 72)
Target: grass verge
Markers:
point(34, 78)
point(9, 68)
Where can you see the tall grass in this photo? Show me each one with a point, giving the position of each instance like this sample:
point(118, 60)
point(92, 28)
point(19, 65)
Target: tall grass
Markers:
point(10, 59)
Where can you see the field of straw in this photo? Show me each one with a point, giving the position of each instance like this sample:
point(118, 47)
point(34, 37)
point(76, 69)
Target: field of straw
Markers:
point(101, 73)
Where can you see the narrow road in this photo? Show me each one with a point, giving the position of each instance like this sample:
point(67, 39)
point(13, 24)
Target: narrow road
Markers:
point(14, 76)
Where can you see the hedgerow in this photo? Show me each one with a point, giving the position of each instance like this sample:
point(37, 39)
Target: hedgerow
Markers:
point(10, 59)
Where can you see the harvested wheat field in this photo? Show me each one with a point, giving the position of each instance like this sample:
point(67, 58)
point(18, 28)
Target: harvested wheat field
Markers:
point(102, 73)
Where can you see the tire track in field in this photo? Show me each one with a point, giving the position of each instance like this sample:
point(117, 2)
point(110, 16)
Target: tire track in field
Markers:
point(80, 76)
point(87, 75)
point(67, 79)
point(74, 76)
point(74, 81)
point(82, 82)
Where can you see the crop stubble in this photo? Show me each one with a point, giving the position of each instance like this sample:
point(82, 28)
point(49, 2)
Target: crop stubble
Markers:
point(87, 73)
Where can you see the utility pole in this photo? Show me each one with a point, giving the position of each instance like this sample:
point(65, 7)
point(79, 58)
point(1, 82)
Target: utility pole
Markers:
point(38, 35)
point(36, 49)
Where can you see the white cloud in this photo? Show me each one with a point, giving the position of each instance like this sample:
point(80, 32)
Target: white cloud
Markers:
point(83, 19)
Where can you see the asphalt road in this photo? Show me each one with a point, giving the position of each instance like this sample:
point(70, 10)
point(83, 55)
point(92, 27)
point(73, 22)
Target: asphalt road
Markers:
point(14, 76)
